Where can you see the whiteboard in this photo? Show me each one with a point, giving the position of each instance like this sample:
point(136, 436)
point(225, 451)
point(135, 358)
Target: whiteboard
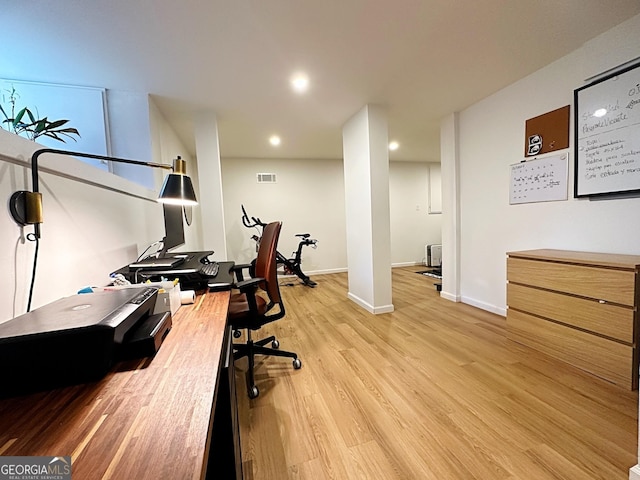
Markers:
point(607, 132)
point(539, 180)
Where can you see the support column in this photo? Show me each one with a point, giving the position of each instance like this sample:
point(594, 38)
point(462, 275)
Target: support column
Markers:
point(366, 179)
point(210, 185)
point(450, 164)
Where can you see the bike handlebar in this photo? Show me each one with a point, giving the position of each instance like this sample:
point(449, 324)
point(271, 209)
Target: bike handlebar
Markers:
point(256, 221)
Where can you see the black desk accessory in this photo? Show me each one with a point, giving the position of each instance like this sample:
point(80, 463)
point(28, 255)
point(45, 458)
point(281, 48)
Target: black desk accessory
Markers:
point(193, 272)
point(224, 279)
point(75, 339)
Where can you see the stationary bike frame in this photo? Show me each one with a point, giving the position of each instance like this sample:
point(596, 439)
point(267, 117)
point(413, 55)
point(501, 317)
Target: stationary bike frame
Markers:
point(291, 266)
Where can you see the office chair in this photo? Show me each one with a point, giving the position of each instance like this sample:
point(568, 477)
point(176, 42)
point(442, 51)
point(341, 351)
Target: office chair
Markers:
point(258, 303)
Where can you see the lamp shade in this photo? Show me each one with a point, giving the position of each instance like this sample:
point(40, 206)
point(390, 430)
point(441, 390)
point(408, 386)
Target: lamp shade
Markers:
point(177, 190)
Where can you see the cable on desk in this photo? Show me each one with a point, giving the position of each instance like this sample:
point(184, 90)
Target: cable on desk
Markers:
point(147, 249)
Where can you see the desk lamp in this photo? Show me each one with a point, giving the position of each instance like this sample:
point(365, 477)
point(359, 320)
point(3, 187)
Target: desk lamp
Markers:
point(26, 207)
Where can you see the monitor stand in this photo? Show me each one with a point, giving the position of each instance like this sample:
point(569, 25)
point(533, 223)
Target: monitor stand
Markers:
point(161, 262)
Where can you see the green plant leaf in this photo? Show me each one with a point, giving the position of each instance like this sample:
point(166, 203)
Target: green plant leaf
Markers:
point(31, 117)
point(69, 132)
point(56, 124)
point(52, 135)
point(19, 116)
point(40, 125)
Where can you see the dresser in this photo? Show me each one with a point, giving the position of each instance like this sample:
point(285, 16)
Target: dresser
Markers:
point(578, 307)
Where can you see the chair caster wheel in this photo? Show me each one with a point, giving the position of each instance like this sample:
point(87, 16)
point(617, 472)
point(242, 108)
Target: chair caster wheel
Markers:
point(275, 344)
point(297, 364)
point(237, 334)
point(253, 392)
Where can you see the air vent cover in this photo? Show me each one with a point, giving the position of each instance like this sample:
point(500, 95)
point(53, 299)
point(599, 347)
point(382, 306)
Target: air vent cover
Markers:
point(266, 177)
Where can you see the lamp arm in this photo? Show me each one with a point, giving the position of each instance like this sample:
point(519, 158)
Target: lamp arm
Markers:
point(26, 207)
point(37, 153)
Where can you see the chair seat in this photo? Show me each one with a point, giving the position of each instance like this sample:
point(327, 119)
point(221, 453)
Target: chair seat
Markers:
point(239, 306)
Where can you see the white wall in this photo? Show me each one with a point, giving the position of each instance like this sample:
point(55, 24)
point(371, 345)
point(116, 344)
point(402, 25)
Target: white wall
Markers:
point(309, 198)
point(491, 137)
point(412, 227)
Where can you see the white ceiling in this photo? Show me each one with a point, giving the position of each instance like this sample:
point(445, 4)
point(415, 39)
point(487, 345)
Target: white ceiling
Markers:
point(422, 59)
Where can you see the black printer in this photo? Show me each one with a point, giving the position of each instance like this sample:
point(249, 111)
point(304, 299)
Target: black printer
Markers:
point(77, 339)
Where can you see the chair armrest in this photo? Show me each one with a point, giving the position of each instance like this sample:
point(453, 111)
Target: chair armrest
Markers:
point(238, 268)
point(249, 284)
point(250, 289)
point(241, 266)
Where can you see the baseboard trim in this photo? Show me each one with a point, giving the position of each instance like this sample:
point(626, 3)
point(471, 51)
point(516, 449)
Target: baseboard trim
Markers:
point(368, 307)
point(329, 271)
point(325, 272)
point(406, 264)
point(450, 296)
point(484, 306)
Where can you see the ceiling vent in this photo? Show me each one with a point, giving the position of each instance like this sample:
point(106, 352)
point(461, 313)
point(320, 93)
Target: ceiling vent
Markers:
point(266, 177)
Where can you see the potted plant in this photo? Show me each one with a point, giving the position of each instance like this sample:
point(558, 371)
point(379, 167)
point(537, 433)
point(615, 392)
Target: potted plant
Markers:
point(25, 122)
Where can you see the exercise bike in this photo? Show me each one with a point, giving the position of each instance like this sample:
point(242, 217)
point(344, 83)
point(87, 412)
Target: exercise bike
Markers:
point(290, 266)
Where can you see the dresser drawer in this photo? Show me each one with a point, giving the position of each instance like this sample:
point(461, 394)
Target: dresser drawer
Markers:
point(611, 285)
point(601, 318)
point(605, 358)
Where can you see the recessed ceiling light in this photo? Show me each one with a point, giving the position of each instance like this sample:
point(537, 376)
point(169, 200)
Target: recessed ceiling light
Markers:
point(274, 140)
point(393, 146)
point(300, 82)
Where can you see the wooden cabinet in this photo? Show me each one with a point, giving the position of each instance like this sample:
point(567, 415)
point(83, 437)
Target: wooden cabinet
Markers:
point(579, 307)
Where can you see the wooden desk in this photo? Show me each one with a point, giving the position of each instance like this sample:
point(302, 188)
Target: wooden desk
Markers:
point(147, 419)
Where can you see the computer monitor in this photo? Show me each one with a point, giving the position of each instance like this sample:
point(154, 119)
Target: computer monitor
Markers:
point(173, 228)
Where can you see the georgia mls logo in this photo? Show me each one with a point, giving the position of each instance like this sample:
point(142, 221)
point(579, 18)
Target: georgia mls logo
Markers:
point(35, 468)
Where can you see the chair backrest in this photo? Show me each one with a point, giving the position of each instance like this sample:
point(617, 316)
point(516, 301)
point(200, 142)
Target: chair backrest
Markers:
point(266, 262)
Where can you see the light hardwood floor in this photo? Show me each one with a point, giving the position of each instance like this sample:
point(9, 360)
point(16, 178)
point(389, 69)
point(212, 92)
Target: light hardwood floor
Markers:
point(433, 390)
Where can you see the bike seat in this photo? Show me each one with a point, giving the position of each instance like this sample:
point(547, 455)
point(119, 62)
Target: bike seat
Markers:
point(303, 235)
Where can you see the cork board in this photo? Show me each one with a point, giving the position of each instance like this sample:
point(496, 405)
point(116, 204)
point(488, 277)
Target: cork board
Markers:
point(547, 133)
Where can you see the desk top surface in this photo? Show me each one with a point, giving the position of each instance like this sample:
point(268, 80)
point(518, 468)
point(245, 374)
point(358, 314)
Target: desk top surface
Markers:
point(145, 419)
